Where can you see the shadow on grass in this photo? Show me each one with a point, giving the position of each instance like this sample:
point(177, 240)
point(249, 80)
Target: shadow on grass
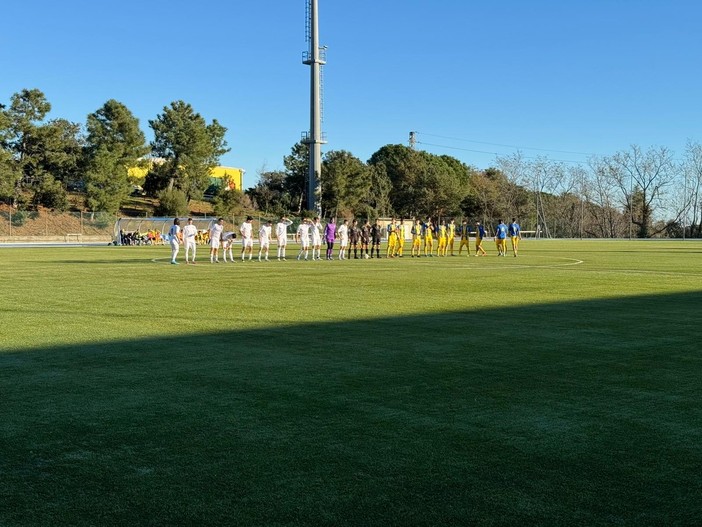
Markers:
point(559, 414)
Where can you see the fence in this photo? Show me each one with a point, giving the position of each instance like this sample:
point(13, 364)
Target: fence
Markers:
point(22, 224)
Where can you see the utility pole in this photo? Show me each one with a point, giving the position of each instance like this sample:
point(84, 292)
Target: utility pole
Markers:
point(315, 57)
point(412, 140)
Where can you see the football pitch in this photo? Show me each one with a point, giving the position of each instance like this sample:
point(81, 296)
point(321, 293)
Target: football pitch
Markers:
point(562, 387)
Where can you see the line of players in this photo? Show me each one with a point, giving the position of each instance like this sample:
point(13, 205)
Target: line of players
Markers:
point(364, 240)
point(445, 234)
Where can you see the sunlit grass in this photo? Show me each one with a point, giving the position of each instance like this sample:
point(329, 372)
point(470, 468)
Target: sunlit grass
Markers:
point(557, 388)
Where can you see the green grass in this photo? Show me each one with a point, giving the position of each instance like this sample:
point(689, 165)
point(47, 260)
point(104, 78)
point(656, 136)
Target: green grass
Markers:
point(562, 387)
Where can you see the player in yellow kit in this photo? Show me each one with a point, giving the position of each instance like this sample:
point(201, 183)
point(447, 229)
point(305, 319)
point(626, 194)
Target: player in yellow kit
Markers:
point(392, 239)
point(464, 233)
point(400, 233)
point(479, 235)
point(515, 234)
point(451, 227)
point(416, 238)
point(443, 239)
point(428, 233)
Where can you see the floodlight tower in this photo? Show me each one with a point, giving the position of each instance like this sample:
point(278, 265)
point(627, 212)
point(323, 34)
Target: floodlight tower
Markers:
point(315, 57)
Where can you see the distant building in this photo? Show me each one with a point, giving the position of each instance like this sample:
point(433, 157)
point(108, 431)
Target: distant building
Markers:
point(235, 177)
point(232, 176)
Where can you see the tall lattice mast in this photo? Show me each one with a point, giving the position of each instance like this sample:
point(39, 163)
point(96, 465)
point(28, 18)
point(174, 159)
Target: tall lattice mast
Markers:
point(315, 57)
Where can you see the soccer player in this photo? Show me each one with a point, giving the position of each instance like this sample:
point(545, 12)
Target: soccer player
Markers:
point(428, 231)
point(215, 236)
point(343, 239)
point(174, 236)
point(443, 239)
point(246, 230)
point(281, 233)
point(189, 240)
point(451, 228)
point(392, 239)
point(376, 233)
point(303, 236)
point(354, 238)
point(264, 239)
point(316, 229)
point(515, 234)
point(465, 237)
point(330, 237)
point(400, 231)
point(228, 238)
point(479, 235)
point(501, 238)
point(416, 238)
point(365, 239)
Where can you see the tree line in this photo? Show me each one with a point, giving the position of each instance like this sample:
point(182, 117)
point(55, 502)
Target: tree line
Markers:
point(42, 159)
point(632, 193)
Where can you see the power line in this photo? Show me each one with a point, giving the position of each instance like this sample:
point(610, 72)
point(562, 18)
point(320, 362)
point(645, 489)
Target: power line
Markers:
point(496, 154)
point(457, 148)
point(508, 146)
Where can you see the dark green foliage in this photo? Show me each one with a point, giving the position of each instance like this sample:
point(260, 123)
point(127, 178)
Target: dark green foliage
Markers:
point(172, 203)
point(19, 218)
point(189, 146)
point(114, 144)
point(346, 183)
point(271, 194)
point(51, 194)
point(228, 202)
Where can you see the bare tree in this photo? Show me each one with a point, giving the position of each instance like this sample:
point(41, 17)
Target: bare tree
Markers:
point(692, 167)
point(603, 196)
point(643, 179)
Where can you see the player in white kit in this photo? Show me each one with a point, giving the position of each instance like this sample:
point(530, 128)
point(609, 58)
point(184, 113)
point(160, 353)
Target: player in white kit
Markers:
point(215, 237)
point(189, 237)
point(264, 239)
point(227, 245)
point(281, 233)
point(303, 236)
point(316, 239)
point(174, 236)
point(246, 230)
point(343, 233)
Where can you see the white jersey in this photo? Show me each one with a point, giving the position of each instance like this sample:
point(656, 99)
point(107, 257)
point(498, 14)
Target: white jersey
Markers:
point(216, 233)
point(343, 233)
point(317, 233)
point(281, 229)
point(303, 231)
point(189, 233)
point(173, 233)
point(246, 230)
point(264, 234)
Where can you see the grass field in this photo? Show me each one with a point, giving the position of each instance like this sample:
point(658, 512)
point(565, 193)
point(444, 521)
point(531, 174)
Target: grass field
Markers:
point(562, 387)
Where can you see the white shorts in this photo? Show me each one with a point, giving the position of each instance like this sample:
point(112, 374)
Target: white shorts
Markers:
point(264, 243)
point(316, 241)
point(189, 244)
point(305, 243)
point(214, 243)
point(247, 242)
point(344, 242)
point(282, 241)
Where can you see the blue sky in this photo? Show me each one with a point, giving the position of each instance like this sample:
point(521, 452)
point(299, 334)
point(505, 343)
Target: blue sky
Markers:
point(572, 76)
